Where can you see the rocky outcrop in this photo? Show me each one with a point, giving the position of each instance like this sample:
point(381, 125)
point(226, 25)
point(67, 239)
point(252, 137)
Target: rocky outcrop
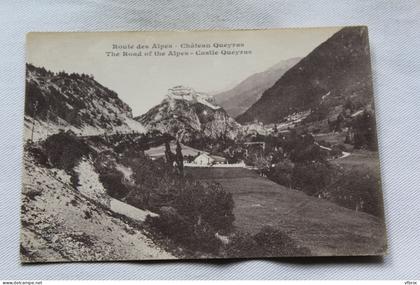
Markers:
point(186, 118)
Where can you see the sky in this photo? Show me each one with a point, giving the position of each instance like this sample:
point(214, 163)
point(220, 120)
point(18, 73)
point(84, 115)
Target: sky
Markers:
point(143, 81)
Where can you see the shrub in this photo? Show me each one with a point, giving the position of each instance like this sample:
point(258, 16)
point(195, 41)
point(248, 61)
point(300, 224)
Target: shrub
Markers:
point(281, 173)
point(64, 150)
point(242, 245)
point(308, 153)
point(337, 151)
point(312, 177)
point(268, 242)
point(358, 191)
point(36, 103)
point(196, 237)
point(277, 243)
point(262, 164)
point(33, 193)
point(112, 181)
point(302, 149)
point(170, 223)
point(37, 152)
point(365, 131)
point(208, 203)
point(324, 143)
point(195, 214)
point(160, 185)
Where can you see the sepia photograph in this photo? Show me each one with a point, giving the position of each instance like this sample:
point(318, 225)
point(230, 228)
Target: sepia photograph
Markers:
point(200, 145)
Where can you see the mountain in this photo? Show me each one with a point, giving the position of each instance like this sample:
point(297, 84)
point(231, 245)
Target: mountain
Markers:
point(238, 99)
point(73, 102)
point(188, 114)
point(336, 71)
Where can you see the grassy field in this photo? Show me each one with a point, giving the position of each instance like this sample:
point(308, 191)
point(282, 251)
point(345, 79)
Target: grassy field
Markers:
point(323, 227)
point(365, 160)
point(332, 138)
point(362, 160)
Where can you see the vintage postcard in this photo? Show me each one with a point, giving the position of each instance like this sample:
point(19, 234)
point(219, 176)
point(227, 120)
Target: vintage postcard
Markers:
point(200, 144)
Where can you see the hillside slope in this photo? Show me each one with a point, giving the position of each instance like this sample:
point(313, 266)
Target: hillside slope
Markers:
point(335, 71)
point(61, 223)
point(238, 99)
point(73, 102)
point(324, 227)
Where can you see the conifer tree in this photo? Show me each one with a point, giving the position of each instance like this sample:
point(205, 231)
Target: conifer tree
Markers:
point(168, 153)
point(179, 158)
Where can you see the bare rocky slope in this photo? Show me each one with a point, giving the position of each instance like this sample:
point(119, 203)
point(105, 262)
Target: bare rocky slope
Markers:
point(238, 99)
point(62, 223)
point(75, 102)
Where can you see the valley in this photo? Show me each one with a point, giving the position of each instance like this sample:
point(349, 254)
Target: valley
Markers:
point(283, 164)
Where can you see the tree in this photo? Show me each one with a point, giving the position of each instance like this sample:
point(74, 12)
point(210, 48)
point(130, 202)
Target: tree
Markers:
point(168, 153)
point(349, 105)
point(275, 129)
point(262, 164)
point(35, 108)
point(365, 131)
point(357, 190)
point(319, 113)
point(304, 149)
point(311, 177)
point(281, 173)
point(179, 158)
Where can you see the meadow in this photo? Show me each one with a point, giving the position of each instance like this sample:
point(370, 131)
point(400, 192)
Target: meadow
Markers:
point(323, 227)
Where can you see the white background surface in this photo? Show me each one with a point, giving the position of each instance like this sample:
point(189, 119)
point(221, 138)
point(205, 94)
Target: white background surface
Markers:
point(395, 45)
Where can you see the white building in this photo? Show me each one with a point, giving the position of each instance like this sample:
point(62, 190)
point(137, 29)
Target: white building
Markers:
point(203, 159)
point(206, 159)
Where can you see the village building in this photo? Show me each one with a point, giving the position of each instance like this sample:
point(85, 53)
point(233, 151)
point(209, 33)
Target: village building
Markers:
point(203, 159)
point(208, 160)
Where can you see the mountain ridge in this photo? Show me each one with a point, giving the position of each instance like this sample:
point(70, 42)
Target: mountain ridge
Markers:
point(75, 102)
point(239, 98)
point(338, 68)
